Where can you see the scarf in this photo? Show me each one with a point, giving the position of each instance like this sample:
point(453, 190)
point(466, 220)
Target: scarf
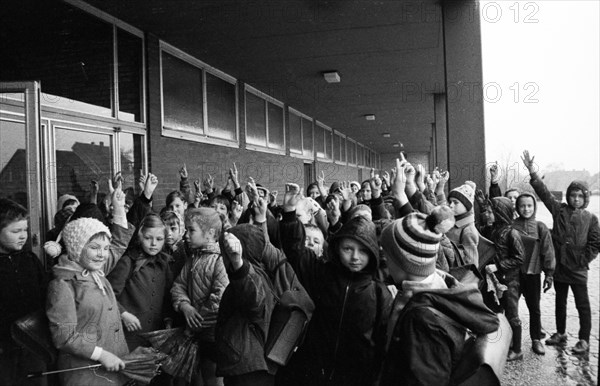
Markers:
point(73, 266)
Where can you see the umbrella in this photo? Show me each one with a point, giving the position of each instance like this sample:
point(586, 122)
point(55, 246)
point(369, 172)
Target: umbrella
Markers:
point(141, 365)
point(181, 347)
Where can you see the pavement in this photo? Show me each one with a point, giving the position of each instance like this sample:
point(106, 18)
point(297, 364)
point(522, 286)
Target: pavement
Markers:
point(559, 367)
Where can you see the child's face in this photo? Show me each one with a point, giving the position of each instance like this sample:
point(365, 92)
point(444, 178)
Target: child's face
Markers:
point(355, 188)
point(314, 192)
point(152, 240)
point(353, 255)
point(95, 253)
point(512, 196)
point(457, 207)
point(174, 234)
point(219, 207)
point(198, 237)
point(576, 198)
point(526, 207)
point(13, 236)
point(314, 240)
point(366, 192)
point(178, 206)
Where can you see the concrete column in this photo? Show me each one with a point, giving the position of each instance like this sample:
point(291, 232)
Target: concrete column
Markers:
point(464, 92)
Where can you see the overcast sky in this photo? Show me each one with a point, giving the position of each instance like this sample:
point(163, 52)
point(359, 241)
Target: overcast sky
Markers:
point(541, 81)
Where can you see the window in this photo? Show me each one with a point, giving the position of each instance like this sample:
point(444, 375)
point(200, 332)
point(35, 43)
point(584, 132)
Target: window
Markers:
point(360, 161)
point(339, 147)
point(324, 142)
point(71, 50)
point(131, 150)
point(301, 134)
point(264, 122)
point(199, 102)
point(351, 149)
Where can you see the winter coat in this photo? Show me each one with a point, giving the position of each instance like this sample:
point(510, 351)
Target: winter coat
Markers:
point(344, 342)
point(245, 311)
point(201, 284)
point(510, 251)
point(141, 285)
point(81, 318)
point(544, 260)
point(181, 253)
point(465, 233)
point(23, 286)
point(575, 233)
point(423, 348)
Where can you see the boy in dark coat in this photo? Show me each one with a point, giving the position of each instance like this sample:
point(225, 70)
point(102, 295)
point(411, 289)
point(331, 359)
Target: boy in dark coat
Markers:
point(344, 342)
point(23, 285)
point(576, 237)
point(421, 346)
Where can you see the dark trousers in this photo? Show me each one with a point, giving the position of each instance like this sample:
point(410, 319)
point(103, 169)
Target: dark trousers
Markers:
point(510, 303)
point(582, 302)
point(531, 288)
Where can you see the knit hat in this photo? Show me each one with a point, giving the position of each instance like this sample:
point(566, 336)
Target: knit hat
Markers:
point(77, 233)
point(465, 194)
point(64, 198)
point(413, 241)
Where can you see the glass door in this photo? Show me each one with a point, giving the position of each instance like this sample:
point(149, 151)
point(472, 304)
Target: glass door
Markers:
point(20, 172)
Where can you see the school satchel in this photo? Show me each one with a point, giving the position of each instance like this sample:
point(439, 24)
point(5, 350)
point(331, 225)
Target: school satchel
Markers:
point(33, 333)
point(288, 325)
point(483, 357)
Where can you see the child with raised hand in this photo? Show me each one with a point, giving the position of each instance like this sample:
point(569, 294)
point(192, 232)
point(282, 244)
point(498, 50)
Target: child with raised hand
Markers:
point(22, 290)
point(540, 259)
point(82, 310)
point(344, 342)
point(576, 239)
point(141, 282)
point(197, 290)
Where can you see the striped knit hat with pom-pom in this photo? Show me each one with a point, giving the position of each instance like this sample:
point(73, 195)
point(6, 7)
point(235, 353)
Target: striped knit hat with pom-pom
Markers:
point(413, 241)
point(77, 233)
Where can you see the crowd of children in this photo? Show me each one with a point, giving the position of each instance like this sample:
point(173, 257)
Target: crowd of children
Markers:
point(376, 261)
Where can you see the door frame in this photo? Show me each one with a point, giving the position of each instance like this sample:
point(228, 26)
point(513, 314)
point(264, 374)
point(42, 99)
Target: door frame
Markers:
point(31, 93)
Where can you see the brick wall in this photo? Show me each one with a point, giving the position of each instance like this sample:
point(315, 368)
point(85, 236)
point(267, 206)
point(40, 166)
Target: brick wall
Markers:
point(167, 155)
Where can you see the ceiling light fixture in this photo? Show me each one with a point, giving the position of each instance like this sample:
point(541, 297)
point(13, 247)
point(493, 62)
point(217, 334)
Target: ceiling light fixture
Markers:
point(331, 76)
point(396, 145)
point(370, 117)
point(386, 135)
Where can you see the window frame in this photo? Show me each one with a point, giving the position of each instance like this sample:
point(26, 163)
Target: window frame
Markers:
point(204, 68)
point(267, 99)
point(348, 139)
point(301, 115)
point(325, 128)
point(337, 133)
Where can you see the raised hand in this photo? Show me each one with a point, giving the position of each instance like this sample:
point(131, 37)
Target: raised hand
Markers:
point(142, 180)
point(345, 190)
point(398, 185)
point(252, 190)
point(494, 173)
point(386, 178)
point(94, 189)
point(183, 173)
point(273, 197)
point(420, 177)
point(430, 183)
point(150, 185)
point(208, 184)
point(260, 210)
point(233, 250)
point(291, 197)
point(197, 186)
point(375, 183)
point(117, 180)
point(528, 161)
point(233, 174)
